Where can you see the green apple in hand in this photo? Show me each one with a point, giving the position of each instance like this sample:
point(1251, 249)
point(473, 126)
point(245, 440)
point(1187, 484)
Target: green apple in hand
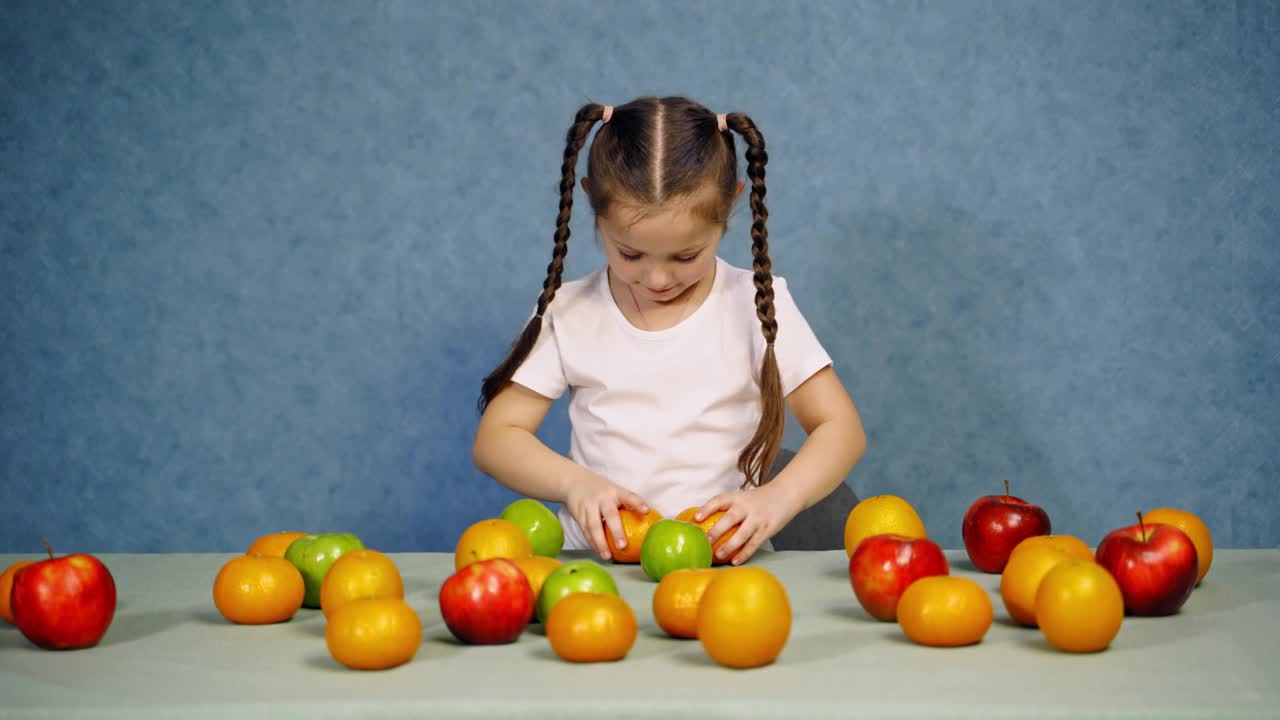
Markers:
point(573, 577)
point(673, 545)
point(539, 523)
point(313, 555)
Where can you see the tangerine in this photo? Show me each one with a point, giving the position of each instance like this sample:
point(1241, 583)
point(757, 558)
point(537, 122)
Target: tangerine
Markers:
point(373, 633)
point(881, 515)
point(634, 527)
point(944, 611)
point(274, 544)
point(744, 617)
point(356, 575)
point(1195, 529)
point(1027, 566)
point(491, 538)
point(591, 627)
point(707, 523)
point(536, 569)
point(676, 600)
point(6, 588)
point(1079, 607)
point(258, 590)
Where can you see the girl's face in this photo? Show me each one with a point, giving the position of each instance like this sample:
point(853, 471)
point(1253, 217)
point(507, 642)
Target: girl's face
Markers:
point(661, 255)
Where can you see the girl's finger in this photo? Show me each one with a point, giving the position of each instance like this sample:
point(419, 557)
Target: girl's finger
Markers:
point(634, 501)
point(728, 521)
point(613, 525)
point(719, 502)
point(746, 532)
point(596, 533)
point(757, 540)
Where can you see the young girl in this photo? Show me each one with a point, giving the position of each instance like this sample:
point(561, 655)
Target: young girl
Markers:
point(678, 364)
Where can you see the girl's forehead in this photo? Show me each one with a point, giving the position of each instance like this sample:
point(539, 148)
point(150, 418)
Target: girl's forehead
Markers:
point(656, 229)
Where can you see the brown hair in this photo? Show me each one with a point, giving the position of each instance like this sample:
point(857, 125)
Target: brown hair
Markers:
point(655, 152)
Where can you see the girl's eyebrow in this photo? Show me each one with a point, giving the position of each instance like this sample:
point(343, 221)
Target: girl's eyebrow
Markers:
point(684, 251)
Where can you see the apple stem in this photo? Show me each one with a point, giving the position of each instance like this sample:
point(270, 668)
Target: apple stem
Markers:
point(48, 547)
point(1142, 526)
point(1006, 488)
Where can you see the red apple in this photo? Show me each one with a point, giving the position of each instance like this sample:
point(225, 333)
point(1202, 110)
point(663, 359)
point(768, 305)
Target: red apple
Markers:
point(64, 602)
point(487, 602)
point(1155, 566)
point(995, 524)
point(882, 566)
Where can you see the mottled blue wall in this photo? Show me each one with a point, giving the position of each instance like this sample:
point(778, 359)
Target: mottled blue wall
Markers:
point(256, 257)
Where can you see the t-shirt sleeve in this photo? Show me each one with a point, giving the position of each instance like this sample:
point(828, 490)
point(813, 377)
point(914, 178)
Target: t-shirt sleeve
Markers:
point(797, 349)
point(543, 372)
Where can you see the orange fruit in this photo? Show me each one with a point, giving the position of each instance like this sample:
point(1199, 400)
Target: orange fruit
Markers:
point(1195, 529)
point(274, 544)
point(6, 588)
point(707, 523)
point(358, 575)
point(536, 569)
point(634, 526)
point(1070, 544)
point(591, 627)
point(373, 633)
point(676, 600)
point(258, 589)
point(744, 617)
point(944, 611)
point(492, 538)
point(1079, 606)
point(1027, 566)
point(881, 515)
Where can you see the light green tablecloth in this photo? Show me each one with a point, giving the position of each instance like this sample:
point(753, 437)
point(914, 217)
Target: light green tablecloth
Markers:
point(170, 654)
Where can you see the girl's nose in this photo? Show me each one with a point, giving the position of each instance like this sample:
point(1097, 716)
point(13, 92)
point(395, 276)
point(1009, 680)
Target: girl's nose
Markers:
point(657, 278)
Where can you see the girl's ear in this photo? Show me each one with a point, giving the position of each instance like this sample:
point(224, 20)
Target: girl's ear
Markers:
point(587, 190)
point(736, 191)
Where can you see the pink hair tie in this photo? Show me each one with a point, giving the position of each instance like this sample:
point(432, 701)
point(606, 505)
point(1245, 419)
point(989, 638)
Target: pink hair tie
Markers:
point(608, 113)
point(722, 121)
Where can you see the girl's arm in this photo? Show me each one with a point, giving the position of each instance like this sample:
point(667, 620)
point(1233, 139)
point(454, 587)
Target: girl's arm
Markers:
point(835, 443)
point(507, 449)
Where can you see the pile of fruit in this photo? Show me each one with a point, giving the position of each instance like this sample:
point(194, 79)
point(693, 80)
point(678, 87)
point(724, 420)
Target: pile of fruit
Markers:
point(507, 575)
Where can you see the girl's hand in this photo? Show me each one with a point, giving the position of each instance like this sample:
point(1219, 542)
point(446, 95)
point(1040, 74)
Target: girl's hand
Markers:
point(759, 514)
point(594, 501)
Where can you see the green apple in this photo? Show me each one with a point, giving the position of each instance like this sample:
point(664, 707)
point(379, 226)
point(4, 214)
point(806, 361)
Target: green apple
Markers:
point(539, 523)
point(673, 545)
point(313, 555)
point(573, 577)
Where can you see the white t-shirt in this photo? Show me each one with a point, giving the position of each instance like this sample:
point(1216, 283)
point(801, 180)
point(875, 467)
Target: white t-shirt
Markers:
point(665, 413)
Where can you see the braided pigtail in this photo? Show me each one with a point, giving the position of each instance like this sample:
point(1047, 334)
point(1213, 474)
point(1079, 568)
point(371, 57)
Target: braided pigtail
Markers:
point(586, 118)
point(758, 456)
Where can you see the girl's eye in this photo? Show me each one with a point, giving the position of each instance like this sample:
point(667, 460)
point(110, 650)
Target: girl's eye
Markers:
point(629, 257)
point(691, 258)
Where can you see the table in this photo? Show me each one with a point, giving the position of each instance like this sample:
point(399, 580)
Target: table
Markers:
point(169, 653)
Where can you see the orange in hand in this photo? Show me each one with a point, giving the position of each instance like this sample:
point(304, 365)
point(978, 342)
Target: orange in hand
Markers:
point(945, 611)
point(1079, 607)
point(634, 526)
point(274, 544)
point(6, 588)
point(676, 600)
point(744, 617)
point(373, 634)
point(591, 627)
point(492, 538)
point(1195, 529)
point(359, 575)
point(707, 523)
point(258, 589)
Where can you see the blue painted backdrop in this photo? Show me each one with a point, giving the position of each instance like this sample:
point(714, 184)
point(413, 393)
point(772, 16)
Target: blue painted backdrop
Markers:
point(256, 257)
